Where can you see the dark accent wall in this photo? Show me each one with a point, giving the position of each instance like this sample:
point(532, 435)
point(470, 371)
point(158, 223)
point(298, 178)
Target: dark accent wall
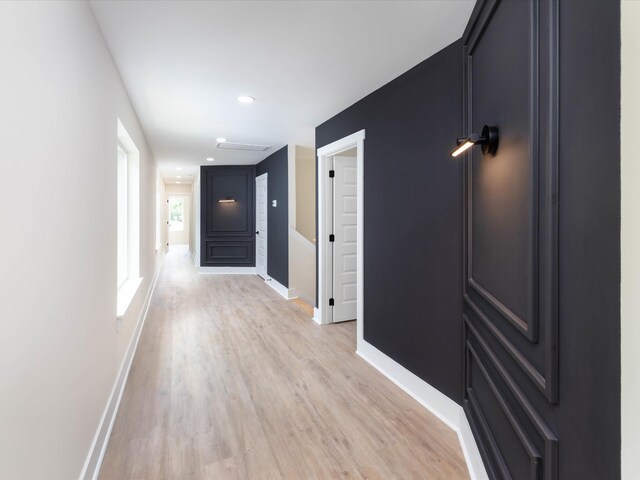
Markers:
point(276, 165)
point(542, 256)
point(227, 229)
point(534, 275)
point(412, 217)
point(588, 420)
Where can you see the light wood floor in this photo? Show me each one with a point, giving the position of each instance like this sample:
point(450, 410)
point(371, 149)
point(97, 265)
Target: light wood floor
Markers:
point(230, 381)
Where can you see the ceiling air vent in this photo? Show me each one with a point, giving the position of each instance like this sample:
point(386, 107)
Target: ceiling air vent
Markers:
point(243, 146)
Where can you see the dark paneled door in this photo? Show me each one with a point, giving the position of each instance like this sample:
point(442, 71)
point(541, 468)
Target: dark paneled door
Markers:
point(510, 264)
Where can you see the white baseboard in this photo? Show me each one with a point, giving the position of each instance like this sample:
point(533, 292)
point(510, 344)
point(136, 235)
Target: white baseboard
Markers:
point(91, 467)
point(287, 293)
point(227, 270)
point(316, 316)
point(470, 449)
point(432, 399)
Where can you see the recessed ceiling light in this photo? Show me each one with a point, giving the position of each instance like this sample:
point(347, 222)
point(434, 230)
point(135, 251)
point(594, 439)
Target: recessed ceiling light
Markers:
point(221, 140)
point(178, 168)
point(246, 99)
point(210, 159)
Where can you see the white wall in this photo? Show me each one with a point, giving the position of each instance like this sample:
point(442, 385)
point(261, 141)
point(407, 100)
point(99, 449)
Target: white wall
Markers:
point(178, 189)
point(196, 215)
point(302, 256)
point(60, 351)
point(302, 267)
point(630, 239)
point(306, 192)
point(192, 222)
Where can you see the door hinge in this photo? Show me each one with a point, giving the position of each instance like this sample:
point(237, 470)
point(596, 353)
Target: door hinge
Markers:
point(332, 173)
point(167, 223)
point(331, 302)
point(332, 238)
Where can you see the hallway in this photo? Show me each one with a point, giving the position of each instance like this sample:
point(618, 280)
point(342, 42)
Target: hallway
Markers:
point(230, 381)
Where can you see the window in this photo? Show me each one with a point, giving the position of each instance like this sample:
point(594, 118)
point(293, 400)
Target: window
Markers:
point(176, 214)
point(128, 224)
point(123, 237)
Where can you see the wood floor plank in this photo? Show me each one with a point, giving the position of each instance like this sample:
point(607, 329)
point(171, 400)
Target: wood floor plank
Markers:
point(232, 382)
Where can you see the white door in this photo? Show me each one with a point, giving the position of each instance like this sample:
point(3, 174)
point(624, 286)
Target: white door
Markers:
point(261, 225)
point(345, 200)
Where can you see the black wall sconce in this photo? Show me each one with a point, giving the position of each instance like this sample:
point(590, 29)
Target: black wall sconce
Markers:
point(226, 200)
point(488, 139)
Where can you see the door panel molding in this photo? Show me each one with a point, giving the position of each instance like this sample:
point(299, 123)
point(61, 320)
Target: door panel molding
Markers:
point(510, 252)
point(528, 416)
point(539, 327)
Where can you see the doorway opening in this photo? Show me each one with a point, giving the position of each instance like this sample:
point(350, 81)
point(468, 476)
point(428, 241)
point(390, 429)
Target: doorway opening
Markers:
point(340, 232)
point(262, 211)
point(180, 221)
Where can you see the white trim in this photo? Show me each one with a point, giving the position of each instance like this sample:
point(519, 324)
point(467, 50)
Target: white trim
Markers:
point(433, 400)
point(227, 270)
point(324, 272)
point(287, 293)
point(92, 464)
point(472, 457)
point(316, 316)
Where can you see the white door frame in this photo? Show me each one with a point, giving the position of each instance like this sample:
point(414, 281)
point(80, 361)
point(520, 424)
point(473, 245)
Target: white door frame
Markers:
point(325, 271)
point(187, 198)
point(264, 176)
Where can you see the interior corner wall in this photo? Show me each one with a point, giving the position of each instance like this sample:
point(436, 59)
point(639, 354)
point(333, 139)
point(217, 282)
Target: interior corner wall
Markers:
point(630, 239)
point(412, 217)
point(587, 421)
point(61, 99)
point(276, 165)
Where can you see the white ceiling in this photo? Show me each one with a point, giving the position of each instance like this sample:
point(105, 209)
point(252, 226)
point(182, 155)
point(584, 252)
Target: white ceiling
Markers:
point(185, 62)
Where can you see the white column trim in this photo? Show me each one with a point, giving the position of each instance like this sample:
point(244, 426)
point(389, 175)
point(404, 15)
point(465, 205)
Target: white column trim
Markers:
point(354, 140)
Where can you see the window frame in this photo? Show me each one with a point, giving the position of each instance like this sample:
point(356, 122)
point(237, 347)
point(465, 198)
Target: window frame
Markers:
point(129, 283)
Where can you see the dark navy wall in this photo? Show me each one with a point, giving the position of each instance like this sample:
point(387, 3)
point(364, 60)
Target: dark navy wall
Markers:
point(542, 283)
point(544, 397)
point(227, 236)
point(276, 165)
point(413, 217)
point(588, 420)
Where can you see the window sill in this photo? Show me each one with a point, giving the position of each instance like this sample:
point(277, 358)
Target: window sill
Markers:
point(125, 295)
